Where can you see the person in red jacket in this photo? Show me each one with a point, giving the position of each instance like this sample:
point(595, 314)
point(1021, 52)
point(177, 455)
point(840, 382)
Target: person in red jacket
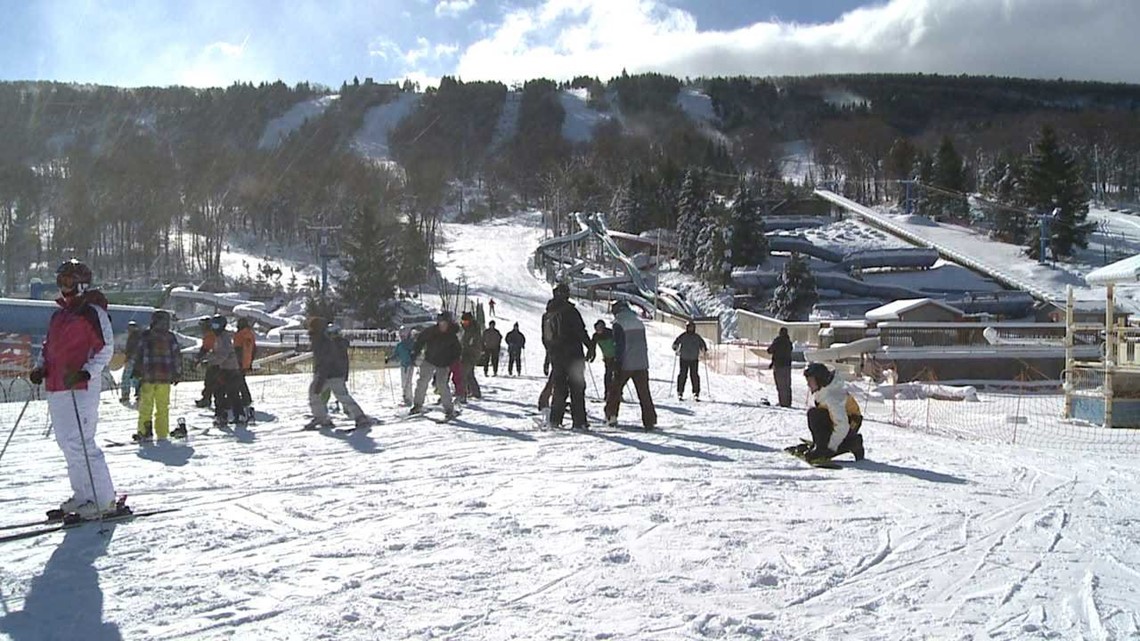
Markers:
point(78, 347)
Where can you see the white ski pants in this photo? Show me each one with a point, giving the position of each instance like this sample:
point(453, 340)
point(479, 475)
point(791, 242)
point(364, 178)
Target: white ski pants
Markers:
point(67, 435)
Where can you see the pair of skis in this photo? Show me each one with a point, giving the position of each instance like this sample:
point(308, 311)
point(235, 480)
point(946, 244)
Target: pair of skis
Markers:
point(58, 520)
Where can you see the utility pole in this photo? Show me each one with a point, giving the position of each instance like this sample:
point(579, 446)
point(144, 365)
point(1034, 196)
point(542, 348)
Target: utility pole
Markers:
point(327, 248)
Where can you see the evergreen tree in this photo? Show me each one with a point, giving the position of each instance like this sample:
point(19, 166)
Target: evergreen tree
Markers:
point(949, 175)
point(1052, 182)
point(900, 164)
point(749, 244)
point(691, 210)
point(372, 264)
point(1001, 185)
point(714, 249)
point(795, 292)
point(630, 215)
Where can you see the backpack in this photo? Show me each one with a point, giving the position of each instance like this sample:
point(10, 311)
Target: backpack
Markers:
point(551, 329)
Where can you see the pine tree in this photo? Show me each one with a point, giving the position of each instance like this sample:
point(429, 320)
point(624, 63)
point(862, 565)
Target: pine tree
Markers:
point(372, 264)
point(714, 249)
point(749, 244)
point(1052, 182)
point(691, 210)
point(949, 175)
point(795, 292)
point(630, 215)
point(924, 199)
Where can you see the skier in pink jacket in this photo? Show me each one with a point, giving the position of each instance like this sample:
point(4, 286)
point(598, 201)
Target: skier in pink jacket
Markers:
point(77, 349)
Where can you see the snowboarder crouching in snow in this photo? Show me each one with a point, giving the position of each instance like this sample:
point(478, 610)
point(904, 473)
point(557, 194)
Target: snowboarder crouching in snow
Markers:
point(835, 419)
point(330, 372)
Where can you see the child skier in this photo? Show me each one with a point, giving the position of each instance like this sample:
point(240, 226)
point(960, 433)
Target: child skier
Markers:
point(835, 419)
point(223, 357)
point(403, 355)
point(245, 342)
point(158, 365)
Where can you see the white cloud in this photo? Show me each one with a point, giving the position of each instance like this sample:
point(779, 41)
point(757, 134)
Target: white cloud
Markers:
point(452, 8)
point(226, 49)
point(425, 50)
point(1078, 39)
point(385, 49)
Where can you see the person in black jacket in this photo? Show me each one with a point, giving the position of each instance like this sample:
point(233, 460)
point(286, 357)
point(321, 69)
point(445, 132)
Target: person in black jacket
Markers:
point(516, 343)
point(492, 343)
point(564, 335)
point(440, 347)
point(330, 371)
point(781, 366)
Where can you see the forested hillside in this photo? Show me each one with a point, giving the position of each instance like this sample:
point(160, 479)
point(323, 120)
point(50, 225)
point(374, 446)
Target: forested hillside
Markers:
point(149, 183)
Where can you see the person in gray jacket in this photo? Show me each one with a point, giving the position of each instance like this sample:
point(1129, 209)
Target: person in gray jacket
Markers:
point(224, 359)
point(689, 348)
point(632, 354)
point(330, 371)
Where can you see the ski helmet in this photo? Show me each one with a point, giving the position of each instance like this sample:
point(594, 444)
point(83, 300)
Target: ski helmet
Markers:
point(618, 307)
point(132, 324)
point(820, 373)
point(601, 324)
point(218, 323)
point(78, 272)
point(333, 329)
point(405, 332)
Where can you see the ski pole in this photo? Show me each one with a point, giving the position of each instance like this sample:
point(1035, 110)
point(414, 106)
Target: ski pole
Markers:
point(15, 425)
point(86, 455)
point(708, 386)
point(672, 376)
point(590, 369)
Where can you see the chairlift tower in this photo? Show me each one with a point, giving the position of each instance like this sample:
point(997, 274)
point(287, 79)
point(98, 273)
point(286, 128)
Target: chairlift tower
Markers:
point(328, 247)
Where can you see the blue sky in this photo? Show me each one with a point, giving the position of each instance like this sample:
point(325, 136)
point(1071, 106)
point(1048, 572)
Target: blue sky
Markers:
point(215, 42)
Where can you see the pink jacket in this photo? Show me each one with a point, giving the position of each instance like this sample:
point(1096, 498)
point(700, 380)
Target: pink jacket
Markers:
point(79, 337)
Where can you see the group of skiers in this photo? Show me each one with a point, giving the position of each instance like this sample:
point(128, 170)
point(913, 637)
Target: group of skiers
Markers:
point(80, 343)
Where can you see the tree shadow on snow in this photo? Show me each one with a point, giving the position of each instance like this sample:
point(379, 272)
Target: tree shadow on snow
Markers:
point(913, 472)
point(168, 454)
point(658, 448)
point(721, 441)
point(65, 601)
point(490, 431)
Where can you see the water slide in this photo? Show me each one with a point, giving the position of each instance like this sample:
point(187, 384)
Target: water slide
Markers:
point(645, 294)
point(234, 305)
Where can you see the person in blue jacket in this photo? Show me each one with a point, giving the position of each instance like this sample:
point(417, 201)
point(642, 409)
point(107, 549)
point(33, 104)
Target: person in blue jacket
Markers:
point(403, 353)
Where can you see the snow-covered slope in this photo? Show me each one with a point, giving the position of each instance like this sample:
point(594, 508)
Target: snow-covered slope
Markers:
point(488, 529)
point(578, 126)
point(696, 105)
point(508, 122)
point(279, 128)
point(372, 139)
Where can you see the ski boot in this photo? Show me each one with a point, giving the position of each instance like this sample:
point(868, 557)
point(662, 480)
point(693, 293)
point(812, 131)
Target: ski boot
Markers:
point(364, 422)
point(180, 431)
point(145, 435)
point(318, 424)
point(250, 415)
point(202, 403)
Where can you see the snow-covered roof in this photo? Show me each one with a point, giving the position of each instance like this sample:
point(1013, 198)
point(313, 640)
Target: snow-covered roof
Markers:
point(1122, 271)
point(894, 310)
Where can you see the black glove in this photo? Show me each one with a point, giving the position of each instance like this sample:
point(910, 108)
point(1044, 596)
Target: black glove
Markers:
point(591, 355)
point(75, 378)
point(36, 376)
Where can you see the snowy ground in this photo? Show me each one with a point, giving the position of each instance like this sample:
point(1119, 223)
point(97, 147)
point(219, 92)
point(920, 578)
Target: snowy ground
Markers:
point(488, 529)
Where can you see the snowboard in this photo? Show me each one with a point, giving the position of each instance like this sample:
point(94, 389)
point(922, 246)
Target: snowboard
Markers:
point(798, 451)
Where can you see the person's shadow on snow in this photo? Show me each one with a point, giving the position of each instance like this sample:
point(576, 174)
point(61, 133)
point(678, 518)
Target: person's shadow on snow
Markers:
point(172, 455)
point(65, 601)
